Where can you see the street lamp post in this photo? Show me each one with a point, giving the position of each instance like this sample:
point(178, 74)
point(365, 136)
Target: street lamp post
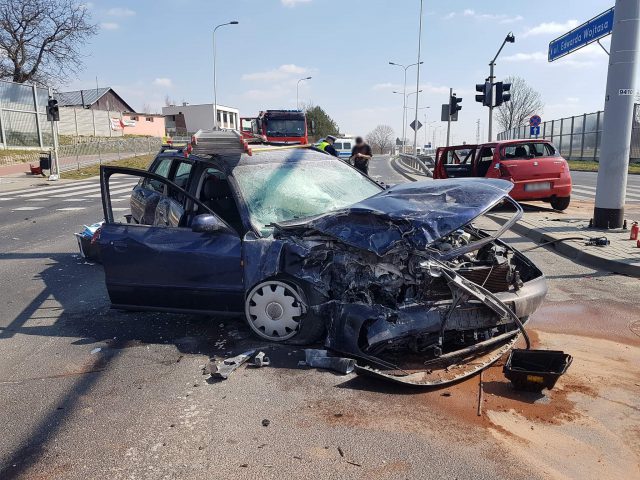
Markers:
point(510, 38)
point(297, 90)
point(415, 132)
point(215, 92)
point(404, 99)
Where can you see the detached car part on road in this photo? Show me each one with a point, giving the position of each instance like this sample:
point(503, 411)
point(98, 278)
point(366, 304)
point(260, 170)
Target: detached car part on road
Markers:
point(305, 246)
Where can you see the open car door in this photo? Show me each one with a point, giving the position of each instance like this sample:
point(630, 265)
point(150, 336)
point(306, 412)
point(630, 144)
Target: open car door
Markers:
point(455, 162)
point(188, 259)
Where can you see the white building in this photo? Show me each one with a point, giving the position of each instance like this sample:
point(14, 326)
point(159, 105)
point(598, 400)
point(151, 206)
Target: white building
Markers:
point(185, 119)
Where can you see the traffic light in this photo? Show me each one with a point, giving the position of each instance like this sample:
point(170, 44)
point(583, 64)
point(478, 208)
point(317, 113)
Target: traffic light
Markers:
point(454, 108)
point(53, 112)
point(501, 93)
point(485, 93)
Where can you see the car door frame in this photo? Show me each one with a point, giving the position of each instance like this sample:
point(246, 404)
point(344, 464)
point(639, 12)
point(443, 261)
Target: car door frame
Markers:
point(107, 171)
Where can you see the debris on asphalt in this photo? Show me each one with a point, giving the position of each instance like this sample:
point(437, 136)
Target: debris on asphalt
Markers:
point(353, 463)
point(229, 365)
point(340, 452)
point(320, 359)
point(261, 360)
point(266, 422)
point(535, 370)
point(96, 350)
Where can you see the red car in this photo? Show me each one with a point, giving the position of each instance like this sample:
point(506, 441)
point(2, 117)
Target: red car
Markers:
point(535, 167)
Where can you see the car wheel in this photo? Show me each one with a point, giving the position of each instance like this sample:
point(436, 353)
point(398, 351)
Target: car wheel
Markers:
point(279, 311)
point(560, 203)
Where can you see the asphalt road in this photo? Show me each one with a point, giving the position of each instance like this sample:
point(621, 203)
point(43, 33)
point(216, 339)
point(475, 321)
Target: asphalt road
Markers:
point(87, 392)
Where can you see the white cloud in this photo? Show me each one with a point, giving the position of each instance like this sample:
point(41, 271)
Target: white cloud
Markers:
point(293, 3)
point(163, 82)
point(493, 17)
point(526, 57)
point(283, 72)
point(551, 28)
point(120, 12)
point(589, 56)
point(386, 86)
point(109, 26)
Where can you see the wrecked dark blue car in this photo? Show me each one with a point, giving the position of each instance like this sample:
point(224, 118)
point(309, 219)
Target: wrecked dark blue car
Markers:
point(306, 248)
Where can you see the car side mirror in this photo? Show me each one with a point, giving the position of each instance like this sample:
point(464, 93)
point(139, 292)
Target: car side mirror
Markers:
point(207, 223)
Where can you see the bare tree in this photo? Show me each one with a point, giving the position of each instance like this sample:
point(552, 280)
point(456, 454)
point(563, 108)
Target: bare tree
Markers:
point(146, 108)
point(525, 101)
point(40, 40)
point(168, 101)
point(381, 138)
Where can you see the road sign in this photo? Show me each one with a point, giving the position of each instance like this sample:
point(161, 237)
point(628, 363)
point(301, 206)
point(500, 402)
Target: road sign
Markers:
point(534, 131)
point(444, 115)
point(579, 37)
point(535, 121)
point(413, 125)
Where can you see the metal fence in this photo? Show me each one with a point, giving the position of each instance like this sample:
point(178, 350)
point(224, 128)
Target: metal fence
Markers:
point(579, 137)
point(23, 116)
point(80, 152)
point(88, 122)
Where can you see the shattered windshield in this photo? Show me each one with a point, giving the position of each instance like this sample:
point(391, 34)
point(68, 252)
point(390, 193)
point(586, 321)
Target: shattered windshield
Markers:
point(277, 192)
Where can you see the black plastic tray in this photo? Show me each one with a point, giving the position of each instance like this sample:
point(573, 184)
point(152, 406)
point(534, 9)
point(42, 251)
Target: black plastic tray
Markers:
point(534, 370)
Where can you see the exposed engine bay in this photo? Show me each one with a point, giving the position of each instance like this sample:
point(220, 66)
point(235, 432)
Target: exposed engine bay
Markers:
point(402, 297)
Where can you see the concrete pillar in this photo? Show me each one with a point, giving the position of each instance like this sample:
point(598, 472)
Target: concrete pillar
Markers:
point(611, 188)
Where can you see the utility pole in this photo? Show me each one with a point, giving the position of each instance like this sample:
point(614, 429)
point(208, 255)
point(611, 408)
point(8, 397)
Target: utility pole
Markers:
point(415, 131)
point(611, 188)
point(449, 116)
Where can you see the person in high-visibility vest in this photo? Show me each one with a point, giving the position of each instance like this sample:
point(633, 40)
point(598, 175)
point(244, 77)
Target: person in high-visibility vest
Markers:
point(326, 145)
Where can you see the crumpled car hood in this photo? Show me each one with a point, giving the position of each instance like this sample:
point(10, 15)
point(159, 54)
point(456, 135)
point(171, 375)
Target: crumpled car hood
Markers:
point(418, 212)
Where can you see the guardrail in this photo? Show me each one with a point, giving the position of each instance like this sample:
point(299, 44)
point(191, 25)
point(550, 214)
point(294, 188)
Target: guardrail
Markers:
point(415, 163)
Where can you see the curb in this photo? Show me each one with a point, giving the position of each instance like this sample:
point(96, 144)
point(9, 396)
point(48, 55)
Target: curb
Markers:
point(572, 251)
point(402, 171)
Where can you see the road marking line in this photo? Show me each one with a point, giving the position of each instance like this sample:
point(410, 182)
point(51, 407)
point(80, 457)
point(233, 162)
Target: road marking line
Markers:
point(49, 192)
point(19, 209)
point(29, 190)
point(6, 198)
point(633, 196)
point(99, 195)
point(69, 209)
point(120, 209)
point(77, 189)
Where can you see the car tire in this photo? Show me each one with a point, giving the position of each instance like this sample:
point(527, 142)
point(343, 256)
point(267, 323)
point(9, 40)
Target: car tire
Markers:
point(560, 203)
point(279, 311)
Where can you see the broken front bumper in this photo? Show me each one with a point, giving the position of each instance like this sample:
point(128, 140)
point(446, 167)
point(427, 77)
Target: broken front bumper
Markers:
point(360, 331)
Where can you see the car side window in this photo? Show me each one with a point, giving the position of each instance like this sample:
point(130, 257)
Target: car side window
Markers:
point(538, 150)
point(182, 172)
point(162, 169)
point(516, 152)
point(550, 150)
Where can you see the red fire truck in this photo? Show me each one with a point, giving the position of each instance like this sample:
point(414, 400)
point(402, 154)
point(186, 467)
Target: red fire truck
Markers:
point(277, 127)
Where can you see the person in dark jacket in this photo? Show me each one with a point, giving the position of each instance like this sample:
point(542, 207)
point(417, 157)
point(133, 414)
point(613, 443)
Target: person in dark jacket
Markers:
point(360, 155)
point(326, 145)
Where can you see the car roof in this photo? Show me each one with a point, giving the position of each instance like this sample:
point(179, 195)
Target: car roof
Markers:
point(276, 155)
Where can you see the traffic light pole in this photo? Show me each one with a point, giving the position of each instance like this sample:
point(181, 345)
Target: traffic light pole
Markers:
point(611, 188)
point(449, 116)
point(54, 136)
point(491, 79)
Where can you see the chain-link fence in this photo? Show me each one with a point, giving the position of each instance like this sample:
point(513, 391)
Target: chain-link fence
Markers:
point(23, 116)
point(579, 137)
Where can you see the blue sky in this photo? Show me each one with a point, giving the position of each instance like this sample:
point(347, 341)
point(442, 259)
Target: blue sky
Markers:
point(147, 49)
